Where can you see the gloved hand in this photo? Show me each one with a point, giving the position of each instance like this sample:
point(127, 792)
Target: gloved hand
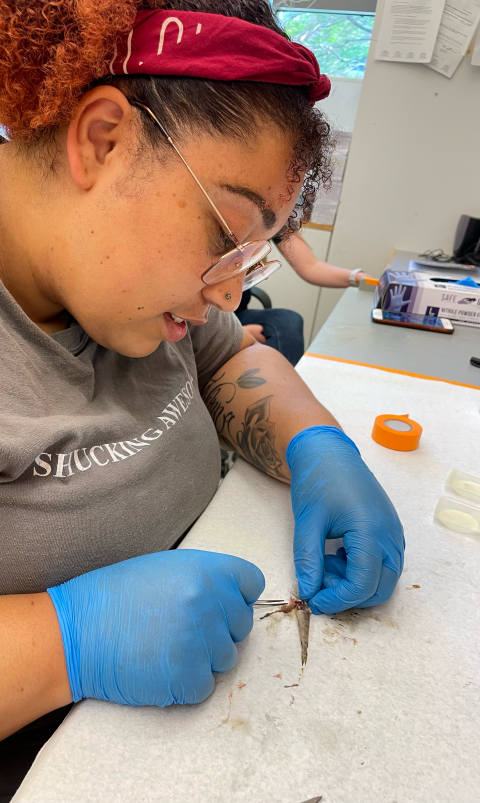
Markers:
point(151, 630)
point(335, 495)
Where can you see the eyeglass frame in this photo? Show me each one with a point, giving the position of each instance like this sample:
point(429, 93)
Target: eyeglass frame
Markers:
point(238, 245)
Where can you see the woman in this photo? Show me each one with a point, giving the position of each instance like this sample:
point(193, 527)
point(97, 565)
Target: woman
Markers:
point(119, 347)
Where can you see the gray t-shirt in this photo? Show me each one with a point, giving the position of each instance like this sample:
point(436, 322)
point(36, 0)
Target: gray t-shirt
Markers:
point(102, 457)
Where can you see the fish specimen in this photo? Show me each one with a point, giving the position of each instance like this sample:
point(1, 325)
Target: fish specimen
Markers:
point(302, 614)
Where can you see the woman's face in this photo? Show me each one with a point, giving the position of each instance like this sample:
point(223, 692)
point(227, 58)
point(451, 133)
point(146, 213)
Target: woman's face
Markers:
point(129, 238)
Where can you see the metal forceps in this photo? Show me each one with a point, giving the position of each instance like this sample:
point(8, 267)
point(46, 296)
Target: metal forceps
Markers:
point(270, 603)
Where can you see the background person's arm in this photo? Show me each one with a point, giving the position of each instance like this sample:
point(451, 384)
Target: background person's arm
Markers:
point(33, 673)
point(302, 259)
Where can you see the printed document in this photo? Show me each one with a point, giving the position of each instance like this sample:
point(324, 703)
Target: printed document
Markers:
point(457, 26)
point(476, 50)
point(409, 30)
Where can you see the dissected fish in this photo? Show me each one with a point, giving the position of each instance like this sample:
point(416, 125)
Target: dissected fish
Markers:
point(302, 614)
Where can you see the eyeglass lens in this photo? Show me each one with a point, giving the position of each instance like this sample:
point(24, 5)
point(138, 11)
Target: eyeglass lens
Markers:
point(255, 274)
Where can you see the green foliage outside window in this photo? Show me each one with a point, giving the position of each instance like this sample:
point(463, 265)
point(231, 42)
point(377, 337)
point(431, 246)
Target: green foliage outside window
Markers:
point(339, 41)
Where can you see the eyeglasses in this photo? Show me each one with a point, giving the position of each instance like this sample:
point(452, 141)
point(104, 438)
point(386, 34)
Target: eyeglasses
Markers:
point(245, 258)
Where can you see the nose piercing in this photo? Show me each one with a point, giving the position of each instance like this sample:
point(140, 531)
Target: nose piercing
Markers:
point(228, 296)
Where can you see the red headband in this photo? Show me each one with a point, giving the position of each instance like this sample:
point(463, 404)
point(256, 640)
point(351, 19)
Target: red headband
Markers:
point(212, 46)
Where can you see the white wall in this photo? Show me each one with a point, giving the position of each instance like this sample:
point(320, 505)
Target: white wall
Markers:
point(413, 168)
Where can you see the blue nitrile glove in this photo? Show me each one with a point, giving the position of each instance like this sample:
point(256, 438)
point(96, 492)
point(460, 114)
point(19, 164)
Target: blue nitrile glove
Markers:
point(335, 495)
point(468, 282)
point(151, 630)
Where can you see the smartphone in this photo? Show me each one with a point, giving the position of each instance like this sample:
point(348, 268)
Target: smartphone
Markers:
point(413, 321)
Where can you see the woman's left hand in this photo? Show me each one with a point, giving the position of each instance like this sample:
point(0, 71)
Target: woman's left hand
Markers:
point(335, 495)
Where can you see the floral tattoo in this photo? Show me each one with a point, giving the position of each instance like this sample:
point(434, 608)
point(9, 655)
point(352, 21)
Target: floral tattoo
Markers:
point(255, 440)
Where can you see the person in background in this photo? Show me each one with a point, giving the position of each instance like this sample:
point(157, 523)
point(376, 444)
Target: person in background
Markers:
point(282, 329)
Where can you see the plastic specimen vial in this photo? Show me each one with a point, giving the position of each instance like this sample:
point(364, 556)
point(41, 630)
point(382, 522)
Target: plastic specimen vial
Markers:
point(466, 485)
point(458, 516)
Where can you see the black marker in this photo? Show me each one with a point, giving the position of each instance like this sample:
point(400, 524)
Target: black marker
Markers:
point(475, 361)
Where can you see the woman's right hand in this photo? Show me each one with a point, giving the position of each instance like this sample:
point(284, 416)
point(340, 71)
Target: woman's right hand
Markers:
point(256, 330)
point(151, 630)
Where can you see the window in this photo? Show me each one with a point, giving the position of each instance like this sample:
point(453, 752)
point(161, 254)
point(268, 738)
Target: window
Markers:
point(339, 41)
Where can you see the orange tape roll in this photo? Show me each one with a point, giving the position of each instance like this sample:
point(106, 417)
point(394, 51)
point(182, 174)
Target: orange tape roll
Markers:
point(397, 432)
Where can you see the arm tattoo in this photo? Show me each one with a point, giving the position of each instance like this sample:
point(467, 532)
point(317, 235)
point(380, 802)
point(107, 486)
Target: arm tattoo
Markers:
point(255, 439)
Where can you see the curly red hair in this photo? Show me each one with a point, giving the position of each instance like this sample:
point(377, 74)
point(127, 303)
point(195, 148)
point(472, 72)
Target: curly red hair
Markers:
point(49, 52)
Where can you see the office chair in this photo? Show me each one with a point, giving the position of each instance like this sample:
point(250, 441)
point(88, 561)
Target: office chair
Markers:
point(262, 296)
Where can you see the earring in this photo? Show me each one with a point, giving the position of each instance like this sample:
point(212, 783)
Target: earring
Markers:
point(228, 296)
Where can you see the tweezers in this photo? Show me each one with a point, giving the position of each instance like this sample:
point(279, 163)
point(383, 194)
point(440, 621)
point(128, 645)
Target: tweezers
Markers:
point(270, 603)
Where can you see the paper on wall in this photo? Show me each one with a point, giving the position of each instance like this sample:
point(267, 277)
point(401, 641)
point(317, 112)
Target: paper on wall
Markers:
point(457, 26)
point(476, 50)
point(409, 30)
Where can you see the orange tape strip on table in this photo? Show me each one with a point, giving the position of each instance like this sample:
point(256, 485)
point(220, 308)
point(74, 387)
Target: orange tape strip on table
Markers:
point(389, 370)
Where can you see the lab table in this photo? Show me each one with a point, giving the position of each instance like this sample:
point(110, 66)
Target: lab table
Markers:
point(386, 708)
point(350, 334)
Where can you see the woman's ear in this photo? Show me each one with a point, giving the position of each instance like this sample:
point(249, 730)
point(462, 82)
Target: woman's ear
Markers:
point(95, 132)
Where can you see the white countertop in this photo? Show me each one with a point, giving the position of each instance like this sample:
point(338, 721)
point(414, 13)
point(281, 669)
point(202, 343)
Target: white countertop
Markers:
point(387, 707)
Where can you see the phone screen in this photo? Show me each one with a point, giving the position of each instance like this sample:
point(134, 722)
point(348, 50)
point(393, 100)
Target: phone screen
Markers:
point(407, 317)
